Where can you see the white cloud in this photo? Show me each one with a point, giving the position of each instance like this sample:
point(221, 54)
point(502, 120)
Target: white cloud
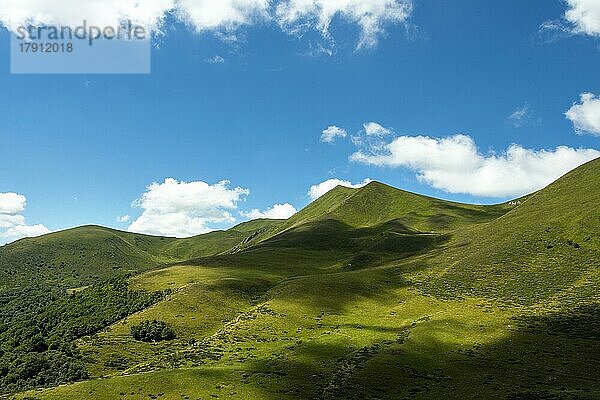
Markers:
point(371, 16)
point(320, 189)
point(23, 231)
point(12, 203)
point(333, 132)
point(582, 17)
point(222, 16)
point(12, 223)
point(585, 16)
point(374, 129)
point(201, 15)
point(10, 220)
point(278, 211)
point(149, 13)
point(586, 115)
point(519, 115)
point(124, 218)
point(455, 165)
point(184, 209)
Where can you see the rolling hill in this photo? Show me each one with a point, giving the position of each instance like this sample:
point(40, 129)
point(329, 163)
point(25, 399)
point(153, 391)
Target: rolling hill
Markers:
point(79, 256)
point(547, 246)
point(377, 204)
point(371, 293)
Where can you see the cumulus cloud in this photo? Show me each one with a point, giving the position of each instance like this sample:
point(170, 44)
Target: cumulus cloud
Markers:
point(22, 231)
point(184, 209)
point(227, 14)
point(371, 16)
point(124, 218)
point(278, 211)
point(294, 16)
point(12, 203)
point(585, 16)
point(12, 223)
point(586, 114)
point(333, 132)
point(375, 129)
point(10, 220)
point(148, 13)
point(582, 17)
point(320, 189)
point(454, 164)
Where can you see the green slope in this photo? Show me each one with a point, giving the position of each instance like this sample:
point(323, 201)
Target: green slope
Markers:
point(377, 204)
point(257, 225)
point(59, 287)
point(78, 256)
point(213, 243)
point(547, 246)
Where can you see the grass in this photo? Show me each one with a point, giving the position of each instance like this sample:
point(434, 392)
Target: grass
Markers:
point(349, 334)
point(374, 293)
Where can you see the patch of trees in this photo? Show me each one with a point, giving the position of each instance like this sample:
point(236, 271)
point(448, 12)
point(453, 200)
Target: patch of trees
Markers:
point(152, 331)
point(38, 325)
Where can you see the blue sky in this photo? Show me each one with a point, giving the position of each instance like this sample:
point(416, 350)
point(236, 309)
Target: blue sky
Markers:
point(81, 148)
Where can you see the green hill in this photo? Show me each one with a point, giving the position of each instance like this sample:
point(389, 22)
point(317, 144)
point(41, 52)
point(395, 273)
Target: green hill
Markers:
point(547, 246)
point(213, 243)
point(79, 256)
point(76, 256)
point(371, 293)
point(377, 204)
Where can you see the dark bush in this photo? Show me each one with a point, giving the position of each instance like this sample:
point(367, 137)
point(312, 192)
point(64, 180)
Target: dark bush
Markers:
point(152, 331)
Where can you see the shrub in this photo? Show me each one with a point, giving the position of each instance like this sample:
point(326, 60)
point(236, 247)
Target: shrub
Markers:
point(152, 331)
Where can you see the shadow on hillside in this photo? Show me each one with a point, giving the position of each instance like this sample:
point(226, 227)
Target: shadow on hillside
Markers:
point(337, 292)
point(319, 280)
point(327, 247)
point(559, 361)
point(582, 322)
point(554, 356)
point(393, 236)
point(472, 214)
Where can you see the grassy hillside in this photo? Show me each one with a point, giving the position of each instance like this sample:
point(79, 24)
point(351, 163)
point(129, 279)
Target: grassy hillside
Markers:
point(247, 333)
point(215, 242)
point(548, 247)
point(76, 256)
point(59, 287)
point(257, 225)
point(79, 256)
point(377, 204)
point(373, 293)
